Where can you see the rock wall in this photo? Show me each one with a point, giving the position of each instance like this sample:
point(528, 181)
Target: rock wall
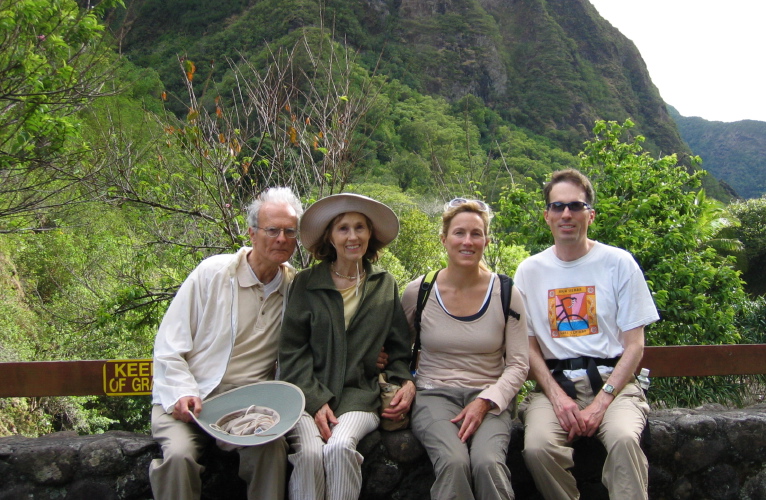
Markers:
point(709, 453)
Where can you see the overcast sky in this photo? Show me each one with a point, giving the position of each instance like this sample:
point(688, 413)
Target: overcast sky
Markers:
point(706, 57)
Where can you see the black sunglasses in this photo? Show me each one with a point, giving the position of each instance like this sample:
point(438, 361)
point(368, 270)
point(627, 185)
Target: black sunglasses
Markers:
point(573, 206)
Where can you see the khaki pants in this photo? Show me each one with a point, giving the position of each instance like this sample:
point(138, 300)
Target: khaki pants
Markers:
point(549, 456)
point(177, 474)
point(464, 471)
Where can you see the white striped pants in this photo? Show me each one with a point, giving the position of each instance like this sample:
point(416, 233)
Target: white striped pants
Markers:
point(332, 470)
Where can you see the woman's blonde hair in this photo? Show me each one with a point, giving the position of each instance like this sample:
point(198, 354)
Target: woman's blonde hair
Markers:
point(452, 209)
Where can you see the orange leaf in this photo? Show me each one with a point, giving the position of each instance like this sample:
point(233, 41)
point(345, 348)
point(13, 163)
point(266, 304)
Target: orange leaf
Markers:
point(190, 69)
point(164, 96)
point(308, 121)
point(218, 112)
point(221, 138)
point(293, 135)
point(287, 107)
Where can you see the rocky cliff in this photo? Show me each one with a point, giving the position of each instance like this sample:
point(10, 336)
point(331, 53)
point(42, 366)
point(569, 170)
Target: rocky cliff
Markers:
point(554, 66)
point(550, 66)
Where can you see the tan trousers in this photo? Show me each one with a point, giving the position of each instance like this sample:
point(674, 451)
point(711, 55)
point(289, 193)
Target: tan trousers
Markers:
point(549, 456)
point(464, 471)
point(177, 474)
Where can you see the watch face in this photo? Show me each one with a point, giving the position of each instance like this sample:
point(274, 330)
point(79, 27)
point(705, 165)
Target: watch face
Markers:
point(609, 389)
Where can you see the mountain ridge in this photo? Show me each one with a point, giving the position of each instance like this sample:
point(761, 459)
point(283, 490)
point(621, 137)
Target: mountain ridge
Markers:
point(733, 152)
point(552, 67)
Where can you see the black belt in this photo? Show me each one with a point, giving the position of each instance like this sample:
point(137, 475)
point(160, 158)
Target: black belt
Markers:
point(582, 363)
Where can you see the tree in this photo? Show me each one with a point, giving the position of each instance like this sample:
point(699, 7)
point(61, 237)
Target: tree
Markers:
point(649, 207)
point(752, 233)
point(53, 62)
point(289, 119)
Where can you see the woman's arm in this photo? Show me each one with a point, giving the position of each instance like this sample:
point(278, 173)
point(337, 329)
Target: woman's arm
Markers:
point(398, 345)
point(516, 358)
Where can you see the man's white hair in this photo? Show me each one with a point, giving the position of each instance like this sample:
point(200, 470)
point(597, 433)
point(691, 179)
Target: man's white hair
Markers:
point(282, 195)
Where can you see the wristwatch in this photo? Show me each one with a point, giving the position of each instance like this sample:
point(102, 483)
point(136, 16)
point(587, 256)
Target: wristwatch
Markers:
point(608, 388)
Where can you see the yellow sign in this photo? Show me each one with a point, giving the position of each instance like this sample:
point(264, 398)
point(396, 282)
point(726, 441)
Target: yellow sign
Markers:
point(128, 377)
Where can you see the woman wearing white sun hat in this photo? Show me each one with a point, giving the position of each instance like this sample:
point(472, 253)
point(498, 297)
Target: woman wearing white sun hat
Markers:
point(339, 314)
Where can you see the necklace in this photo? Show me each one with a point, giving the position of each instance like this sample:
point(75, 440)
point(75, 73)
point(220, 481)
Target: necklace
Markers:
point(360, 275)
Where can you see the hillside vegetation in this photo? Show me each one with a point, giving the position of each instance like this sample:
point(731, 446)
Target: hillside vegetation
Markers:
point(733, 152)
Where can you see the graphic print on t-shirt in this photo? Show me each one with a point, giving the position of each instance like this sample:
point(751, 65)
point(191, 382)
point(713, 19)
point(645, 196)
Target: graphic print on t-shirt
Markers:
point(572, 311)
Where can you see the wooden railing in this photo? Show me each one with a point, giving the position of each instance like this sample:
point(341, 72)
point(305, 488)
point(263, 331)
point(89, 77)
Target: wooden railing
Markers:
point(125, 377)
point(134, 376)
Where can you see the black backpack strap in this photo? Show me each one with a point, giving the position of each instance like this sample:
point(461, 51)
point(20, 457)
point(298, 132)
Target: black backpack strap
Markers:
point(424, 290)
point(506, 284)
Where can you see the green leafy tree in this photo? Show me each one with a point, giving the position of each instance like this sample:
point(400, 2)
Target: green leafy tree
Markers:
point(751, 231)
point(651, 208)
point(53, 62)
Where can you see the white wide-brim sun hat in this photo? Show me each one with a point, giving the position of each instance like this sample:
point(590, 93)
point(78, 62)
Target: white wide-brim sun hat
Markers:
point(281, 401)
point(317, 217)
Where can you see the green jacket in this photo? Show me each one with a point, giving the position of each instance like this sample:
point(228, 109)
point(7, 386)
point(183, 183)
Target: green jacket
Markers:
point(334, 365)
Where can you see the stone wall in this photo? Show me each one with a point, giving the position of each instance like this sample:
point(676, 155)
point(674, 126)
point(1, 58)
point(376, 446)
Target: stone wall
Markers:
point(709, 453)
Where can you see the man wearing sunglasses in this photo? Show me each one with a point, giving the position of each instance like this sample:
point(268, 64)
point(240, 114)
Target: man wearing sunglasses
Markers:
point(587, 305)
point(220, 332)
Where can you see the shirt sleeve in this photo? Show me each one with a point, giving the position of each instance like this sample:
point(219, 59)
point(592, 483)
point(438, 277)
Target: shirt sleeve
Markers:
point(504, 391)
point(172, 377)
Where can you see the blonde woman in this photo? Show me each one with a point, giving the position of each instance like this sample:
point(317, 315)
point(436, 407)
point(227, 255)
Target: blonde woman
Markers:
point(472, 363)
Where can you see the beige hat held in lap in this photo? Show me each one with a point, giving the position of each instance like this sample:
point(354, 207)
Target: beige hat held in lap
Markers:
point(320, 214)
point(252, 414)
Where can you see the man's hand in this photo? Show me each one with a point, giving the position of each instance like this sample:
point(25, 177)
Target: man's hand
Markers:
point(569, 414)
point(593, 414)
point(472, 416)
point(401, 402)
point(324, 418)
point(185, 406)
point(382, 359)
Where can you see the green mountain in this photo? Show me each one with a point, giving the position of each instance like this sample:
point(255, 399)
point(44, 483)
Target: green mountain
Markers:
point(552, 67)
point(733, 152)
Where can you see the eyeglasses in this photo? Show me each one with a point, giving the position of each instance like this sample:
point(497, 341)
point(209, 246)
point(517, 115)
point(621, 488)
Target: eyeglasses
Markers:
point(573, 206)
point(462, 201)
point(273, 232)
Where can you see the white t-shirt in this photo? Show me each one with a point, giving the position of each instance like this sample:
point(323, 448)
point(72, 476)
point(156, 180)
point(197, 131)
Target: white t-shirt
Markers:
point(582, 308)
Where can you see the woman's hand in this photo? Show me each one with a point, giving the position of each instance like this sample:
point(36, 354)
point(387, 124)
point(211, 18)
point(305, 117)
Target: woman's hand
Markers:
point(382, 359)
point(472, 417)
point(324, 418)
point(401, 402)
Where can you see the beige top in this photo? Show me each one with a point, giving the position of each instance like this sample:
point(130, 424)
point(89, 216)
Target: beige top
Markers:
point(259, 319)
point(351, 300)
point(477, 351)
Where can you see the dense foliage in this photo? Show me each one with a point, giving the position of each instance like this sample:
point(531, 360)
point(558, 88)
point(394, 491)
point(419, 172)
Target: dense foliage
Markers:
point(733, 152)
